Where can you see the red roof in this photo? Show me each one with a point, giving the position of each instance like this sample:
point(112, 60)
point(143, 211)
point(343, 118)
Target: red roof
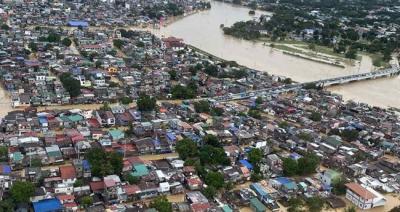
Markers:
point(200, 207)
point(63, 197)
point(70, 205)
point(96, 186)
point(194, 181)
point(67, 172)
point(360, 191)
point(93, 123)
point(131, 189)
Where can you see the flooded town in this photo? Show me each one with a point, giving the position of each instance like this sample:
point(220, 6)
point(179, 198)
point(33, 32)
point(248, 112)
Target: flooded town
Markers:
point(130, 105)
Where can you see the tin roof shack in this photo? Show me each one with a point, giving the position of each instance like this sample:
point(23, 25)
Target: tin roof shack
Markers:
point(257, 206)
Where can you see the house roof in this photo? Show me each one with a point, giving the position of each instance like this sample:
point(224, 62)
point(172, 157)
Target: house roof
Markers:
point(5, 169)
point(140, 170)
point(131, 189)
point(360, 191)
point(47, 205)
point(257, 204)
point(65, 197)
point(96, 186)
point(246, 164)
point(67, 172)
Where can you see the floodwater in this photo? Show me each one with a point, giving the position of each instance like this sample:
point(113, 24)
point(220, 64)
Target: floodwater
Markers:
point(203, 31)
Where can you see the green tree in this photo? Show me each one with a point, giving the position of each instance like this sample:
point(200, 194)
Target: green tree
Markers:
point(161, 204)
point(295, 205)
point(53, 38)
point(118, 43)
point(209, 192)
point(283, 124)
point(211, 140)
point(7, 205)
point(72, 85)
point(353, 209)
point(132, 179)
point(287, 81)
point(146, 103)
point(116, 162)
point(254, 156)
point(349, 134)
point(186, 148)
point(105, 106)
point(98, 63)
point(126, 100)
point(104, 163)
point(311, 46)
point(259, 100)
point(339, 186)
point(210, 155)
point(3, 153)
point(254, 113)
point(5, 27)
point(217, 111)
point(351, 54)
point(315, 116)
point(36, 162)
point(181, 92)
point(86, 201)
point(66, 42)
point(255, 177)
point(78, 183)
point(33, 46)
point(315, 204)
point(202, 106)
point(215, 179)
point(289, 167)
point(172, 74)
point(22, 191)
point(307, 164)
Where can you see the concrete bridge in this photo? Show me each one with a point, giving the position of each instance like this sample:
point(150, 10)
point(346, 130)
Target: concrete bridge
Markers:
point(358, 77)
point(293, 87)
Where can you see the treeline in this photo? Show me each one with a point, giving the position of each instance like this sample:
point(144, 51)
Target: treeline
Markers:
point(340, 25)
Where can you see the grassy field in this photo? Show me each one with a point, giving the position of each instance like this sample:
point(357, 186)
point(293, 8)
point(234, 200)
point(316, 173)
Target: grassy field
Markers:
point(377, 60)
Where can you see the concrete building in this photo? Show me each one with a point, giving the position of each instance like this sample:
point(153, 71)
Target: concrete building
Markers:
point(364, 197)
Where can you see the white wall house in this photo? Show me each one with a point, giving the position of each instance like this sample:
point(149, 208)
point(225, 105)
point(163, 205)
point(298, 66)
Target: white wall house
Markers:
point(364, 197)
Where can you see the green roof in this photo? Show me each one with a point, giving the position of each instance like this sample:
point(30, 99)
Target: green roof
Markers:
point(333, 141)
point(54, 154)
point(17, 156)
point(332, 173)
point(75, 118)
point(226, 208)
point(117, 134)
point(140, 170)
point(254, 202)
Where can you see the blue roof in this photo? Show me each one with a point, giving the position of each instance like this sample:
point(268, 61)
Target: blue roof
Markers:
point(283, 180)
point(43, 120)
point(295, 156)
point(86, 164)
point(78, 23)
point(260, 191)
point(246, 163)
point(5, 169)
point(171, 136)
point(47, 205)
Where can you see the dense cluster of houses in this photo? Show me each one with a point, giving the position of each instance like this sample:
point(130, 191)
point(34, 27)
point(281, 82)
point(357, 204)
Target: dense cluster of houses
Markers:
point(100, 13)
point(60, 138)
point(356, 143)
point(143, 65)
